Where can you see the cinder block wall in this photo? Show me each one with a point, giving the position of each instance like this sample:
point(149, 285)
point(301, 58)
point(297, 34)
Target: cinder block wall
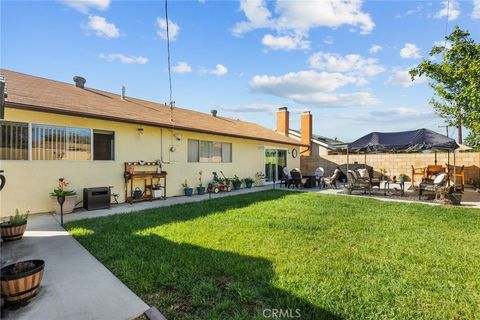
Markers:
point(395, 164)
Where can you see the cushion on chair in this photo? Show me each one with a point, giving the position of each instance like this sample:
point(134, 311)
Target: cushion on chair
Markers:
point(440, 178)
point(363, 173)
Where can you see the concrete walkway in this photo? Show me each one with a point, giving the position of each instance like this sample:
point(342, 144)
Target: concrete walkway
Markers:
point(75, 285)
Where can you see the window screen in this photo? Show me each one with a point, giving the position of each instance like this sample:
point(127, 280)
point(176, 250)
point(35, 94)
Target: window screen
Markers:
point(103, 145)
point(13, 140)
point(209, 151)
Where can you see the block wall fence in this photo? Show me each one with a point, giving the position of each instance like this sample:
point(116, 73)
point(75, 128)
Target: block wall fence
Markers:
point(397, 163)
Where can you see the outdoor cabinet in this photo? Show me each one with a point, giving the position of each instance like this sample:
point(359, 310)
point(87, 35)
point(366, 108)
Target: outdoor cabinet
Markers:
point(96, 198)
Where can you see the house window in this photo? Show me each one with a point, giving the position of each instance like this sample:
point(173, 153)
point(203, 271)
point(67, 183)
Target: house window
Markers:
point(103, 145)
point(13, 140)
point(60, 143)
point(209, 151)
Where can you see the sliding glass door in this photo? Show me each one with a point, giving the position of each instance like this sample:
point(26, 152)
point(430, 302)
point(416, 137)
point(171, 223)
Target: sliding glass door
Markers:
point(275, 161)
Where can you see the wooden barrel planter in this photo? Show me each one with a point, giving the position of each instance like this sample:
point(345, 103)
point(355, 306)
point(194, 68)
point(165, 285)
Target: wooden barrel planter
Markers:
point(12, 232)
point(20, 281)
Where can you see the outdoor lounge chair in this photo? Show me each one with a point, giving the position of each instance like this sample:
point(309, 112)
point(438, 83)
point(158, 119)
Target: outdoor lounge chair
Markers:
point(434, 186)
point(332, 181)
point(319, 172)
point(286, 179)
point(356, 182)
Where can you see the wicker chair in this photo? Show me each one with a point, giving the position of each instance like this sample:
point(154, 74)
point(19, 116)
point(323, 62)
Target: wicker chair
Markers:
point(319, 172)
point(355, 182)
point(286, 178)
point(436, 186)
point(332, 181)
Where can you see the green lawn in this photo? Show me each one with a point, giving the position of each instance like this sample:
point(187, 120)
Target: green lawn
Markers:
point(327, 256)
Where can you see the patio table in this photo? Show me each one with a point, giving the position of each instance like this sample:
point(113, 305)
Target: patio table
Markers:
point(389, 184)
point(311, 181)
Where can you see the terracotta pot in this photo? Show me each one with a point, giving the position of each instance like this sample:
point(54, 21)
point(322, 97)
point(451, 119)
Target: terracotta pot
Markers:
point(68, 205)
point(19, 287)
point(12, 233)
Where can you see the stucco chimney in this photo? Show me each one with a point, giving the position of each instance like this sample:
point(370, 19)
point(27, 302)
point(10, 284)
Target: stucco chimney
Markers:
point(306, 128)
point(283, 120)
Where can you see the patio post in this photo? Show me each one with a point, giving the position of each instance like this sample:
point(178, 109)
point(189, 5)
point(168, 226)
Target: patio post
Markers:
point(348, 161)
point(454, 172)
point(448, 165)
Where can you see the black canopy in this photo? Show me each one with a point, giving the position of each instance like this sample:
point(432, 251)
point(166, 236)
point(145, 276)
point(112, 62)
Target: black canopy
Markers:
point(406, 141)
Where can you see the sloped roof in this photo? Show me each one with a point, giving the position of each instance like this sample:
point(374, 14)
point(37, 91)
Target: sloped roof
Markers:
point(39, 94)
point(326, 141)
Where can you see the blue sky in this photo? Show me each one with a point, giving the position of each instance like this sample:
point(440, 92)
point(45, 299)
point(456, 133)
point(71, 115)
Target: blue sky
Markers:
point(344, 61)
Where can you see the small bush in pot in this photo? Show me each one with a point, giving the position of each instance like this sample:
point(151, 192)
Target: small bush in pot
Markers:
point(236, 182)
point(14, 228)
point(70, 197)
point(200, 188)
point(20, 281)
point(188, 191)
point(248, 182)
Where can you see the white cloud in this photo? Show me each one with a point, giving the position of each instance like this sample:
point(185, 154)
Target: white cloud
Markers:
point(123, 58)
point(476, 9)
point(102, 27)
point(375, 48)
point(285, 42)
point(173, 29)
point(251, 107)
point(299, 17)
point(313, 88)
point(401, 77)
point(328, 40)
point(220, 70)
point(417, 9)
point(182, 67)
point(451, 8)
point(351, 64)
point(392, 115)
point(84, 6)
point(410, 51)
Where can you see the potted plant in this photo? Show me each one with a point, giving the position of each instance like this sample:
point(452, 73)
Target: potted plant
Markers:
point(237, 183)
point(402, 177)
point(14, 228)
point(70, 197)
point(188, 191)
point(248, 182)
point(20, 281)
point(383, 174)
point(200, 188)
point(454, 196)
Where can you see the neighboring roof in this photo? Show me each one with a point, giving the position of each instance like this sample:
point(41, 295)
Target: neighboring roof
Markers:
point(44, 95)
point(326, 142)
point(409, 141)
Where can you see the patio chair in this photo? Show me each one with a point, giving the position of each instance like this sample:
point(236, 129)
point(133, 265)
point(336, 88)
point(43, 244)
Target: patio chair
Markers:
point(295, 179)
point(319, 172)
point(434, 186)
point(459, 173)
point(417, 172)
point(332, 181)
point(357, 182)
point(286, 178)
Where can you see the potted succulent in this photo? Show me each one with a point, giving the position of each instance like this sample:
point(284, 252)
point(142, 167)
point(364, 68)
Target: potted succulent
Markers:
point(383, 174)
point(20, 281)
point(70, 197)
point(236, 182)
point(248, 182)
point(402, 177)
point(188, 191)
point(14, 228)
point(200, 188)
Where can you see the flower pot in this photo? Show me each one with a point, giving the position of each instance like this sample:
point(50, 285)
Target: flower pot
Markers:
point(200, 190)
point(188, 191)
point(248, 184)
point(237, 185)
point(456, 198)
point(13, 232)
point(20, 281)
point(68, 205)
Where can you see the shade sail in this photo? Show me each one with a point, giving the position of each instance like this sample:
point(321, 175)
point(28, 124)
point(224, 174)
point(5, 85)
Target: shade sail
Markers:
point(405, 141)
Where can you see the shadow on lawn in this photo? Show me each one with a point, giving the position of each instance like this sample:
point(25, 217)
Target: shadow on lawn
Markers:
point(189, 281)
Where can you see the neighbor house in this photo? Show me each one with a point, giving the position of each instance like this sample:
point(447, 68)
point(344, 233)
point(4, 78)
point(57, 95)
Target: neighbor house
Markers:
point(320, 145)
point(53, 129)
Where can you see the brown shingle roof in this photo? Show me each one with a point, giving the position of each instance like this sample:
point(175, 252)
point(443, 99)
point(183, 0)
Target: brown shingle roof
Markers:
point(34, 93)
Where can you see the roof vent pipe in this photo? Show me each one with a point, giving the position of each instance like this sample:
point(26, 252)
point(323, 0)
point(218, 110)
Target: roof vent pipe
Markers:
point(79, 82)
point(123, 92)
point(214, 112)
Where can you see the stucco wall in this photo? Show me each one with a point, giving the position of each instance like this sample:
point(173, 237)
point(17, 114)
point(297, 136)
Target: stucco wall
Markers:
point(29, 182)
point(398, 163)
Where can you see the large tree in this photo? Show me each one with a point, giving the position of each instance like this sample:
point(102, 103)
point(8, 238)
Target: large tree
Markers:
point(455, 80)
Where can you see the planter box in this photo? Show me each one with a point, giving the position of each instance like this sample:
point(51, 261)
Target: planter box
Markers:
point(68, 205)
point(19, 287)
point(12, 233)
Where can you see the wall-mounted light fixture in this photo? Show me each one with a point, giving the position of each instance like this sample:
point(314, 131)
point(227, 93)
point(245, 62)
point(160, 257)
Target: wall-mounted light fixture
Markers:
point(140, 131)
point(178, 137)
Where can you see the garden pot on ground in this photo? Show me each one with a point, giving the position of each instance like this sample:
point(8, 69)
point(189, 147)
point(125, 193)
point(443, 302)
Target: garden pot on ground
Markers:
point(456, 198)
point(237, 185)
point(13, 232)
point(248, 184)
point(200, 190)
point(68, 205)
point(20, 281)
point(188, 191)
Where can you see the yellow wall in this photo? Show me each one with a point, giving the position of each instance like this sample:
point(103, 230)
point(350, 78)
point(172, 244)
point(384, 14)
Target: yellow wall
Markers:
point(29, 182)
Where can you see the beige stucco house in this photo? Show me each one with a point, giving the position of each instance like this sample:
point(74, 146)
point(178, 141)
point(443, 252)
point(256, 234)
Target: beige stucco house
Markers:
point(53, 129)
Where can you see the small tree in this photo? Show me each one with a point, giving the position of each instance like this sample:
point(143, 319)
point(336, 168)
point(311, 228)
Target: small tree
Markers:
point(455, 80)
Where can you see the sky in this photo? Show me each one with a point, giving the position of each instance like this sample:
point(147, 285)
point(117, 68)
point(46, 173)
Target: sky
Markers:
point(345, 61)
